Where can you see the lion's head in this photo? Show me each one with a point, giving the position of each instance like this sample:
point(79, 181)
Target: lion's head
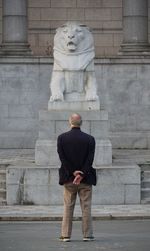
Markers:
point(73, 37)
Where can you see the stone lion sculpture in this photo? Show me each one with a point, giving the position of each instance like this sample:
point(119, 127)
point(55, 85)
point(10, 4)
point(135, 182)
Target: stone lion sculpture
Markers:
point(73, 71)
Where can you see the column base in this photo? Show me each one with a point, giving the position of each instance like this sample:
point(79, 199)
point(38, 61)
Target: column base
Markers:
point(15, 49)
point(134, 49)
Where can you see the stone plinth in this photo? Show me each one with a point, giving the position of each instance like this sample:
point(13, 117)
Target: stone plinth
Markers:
point(46, 153)
point(53, 123)
point(32, 185)
point(74, 106)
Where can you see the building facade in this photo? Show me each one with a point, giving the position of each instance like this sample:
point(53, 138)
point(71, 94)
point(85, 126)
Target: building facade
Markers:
point(121, 36)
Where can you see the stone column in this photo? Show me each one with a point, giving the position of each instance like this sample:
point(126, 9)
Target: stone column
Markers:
point(14, 33)
point(135, 28)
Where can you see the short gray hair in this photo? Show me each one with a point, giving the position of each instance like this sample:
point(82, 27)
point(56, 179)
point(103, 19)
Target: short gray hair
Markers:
point(75, 120)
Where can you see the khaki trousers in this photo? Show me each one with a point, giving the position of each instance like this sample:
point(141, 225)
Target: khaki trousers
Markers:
point(85, 194)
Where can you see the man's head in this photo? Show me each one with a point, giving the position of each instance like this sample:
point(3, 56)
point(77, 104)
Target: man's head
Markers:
point(75, 120)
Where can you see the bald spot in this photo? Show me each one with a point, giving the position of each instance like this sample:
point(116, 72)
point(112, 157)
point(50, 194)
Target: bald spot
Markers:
point(75, 120)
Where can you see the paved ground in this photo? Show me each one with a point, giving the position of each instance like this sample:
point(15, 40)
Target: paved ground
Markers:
point(53, 213)
point(110, 236)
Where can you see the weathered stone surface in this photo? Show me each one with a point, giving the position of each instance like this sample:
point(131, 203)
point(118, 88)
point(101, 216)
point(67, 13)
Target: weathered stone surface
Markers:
point(103, 153)
point(74, 106)
point(39, 185)
point(46, 153)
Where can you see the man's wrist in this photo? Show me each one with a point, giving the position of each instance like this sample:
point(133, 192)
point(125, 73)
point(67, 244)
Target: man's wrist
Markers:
point(81, 174)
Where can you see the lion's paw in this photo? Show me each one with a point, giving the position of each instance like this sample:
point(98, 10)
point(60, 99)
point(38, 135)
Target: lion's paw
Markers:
point(91, 97)
point(57, 97)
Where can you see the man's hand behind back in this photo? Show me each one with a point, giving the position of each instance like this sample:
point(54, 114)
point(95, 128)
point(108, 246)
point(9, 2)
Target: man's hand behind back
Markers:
point(78, 178)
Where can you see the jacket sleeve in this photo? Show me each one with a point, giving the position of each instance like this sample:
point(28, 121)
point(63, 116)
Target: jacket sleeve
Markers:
point(90, 157)
point(62, 157)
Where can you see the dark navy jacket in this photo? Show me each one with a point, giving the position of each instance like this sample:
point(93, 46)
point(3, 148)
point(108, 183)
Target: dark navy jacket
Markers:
point(76, 152)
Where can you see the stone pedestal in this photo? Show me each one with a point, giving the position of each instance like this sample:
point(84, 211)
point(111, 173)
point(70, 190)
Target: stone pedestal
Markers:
point(14, 34)
point(33, 185)
point(135, 28)
point(53, 123)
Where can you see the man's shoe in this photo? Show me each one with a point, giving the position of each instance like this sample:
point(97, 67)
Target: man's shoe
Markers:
point(88, 238)
point(65, 239)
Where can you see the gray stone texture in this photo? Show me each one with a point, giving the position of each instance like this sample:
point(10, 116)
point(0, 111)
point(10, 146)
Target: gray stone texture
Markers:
point(46, 153)
point(39, 185)
point(123, 87)
point(14, 32)
point(135, 27)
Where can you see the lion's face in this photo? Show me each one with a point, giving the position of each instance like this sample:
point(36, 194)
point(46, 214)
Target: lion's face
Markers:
point(73, 37)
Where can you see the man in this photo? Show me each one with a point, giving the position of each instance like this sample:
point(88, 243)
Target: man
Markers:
point(76, 152)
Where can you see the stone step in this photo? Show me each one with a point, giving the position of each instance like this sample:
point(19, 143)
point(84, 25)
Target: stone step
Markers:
point(2, 193)
point(145, 167)
point(145, 201)
point(145, 183)
point(3, 202)
point(2, 174)
point(3, 184)
point(145, 175)
point(145, 193)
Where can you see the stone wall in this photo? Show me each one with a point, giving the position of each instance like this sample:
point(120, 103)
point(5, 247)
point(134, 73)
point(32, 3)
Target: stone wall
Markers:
point(104, 17)
point(44, 16)
point(123, 87)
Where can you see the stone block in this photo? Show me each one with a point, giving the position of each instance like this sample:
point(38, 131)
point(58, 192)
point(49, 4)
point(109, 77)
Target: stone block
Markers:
point(129, 140)
point(45, 39)
point(13, 139)
point(112, 25)
point(117, 38)
point(75, 14)
point(111, 194)
point(110, 50)
point(61, 127)
point(39, 3)
point(74, 106)
point(33, 39)
point(53, 14)
point(34, 13)
point(46, 153)
point(132, 194)
point(47, 129)
point(114, 3)
point(99, 129)
point(22, 111)
point(89, 3)
point(94, 24)
point(116, 14)
point(4, 111)
point(63, 3)
point(18, 124)
point(14, 175)
point(121, 174)
point(59, 115)
point(9, 97)
point(103, 153)
point(39, 185)
point(13, 195)
point(123, 122)
point(38, 24)
point(143, 118)
point(101, 14)
point(103, 39)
